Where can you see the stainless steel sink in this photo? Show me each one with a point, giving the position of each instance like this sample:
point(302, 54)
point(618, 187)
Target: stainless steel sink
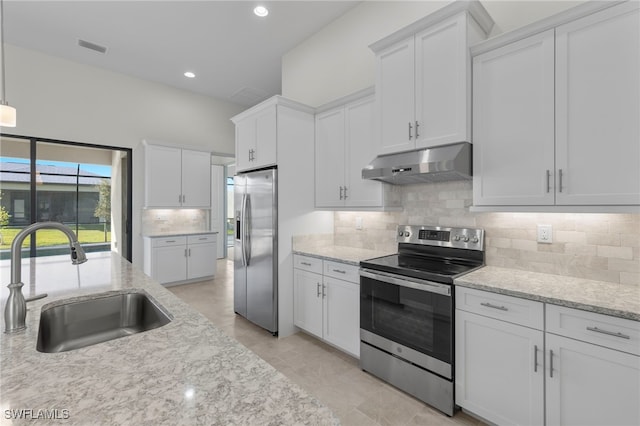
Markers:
point(84, 323)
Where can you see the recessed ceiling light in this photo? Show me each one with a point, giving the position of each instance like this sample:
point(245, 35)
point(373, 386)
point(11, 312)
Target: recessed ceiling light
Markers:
point(261, 11)
point(189, 74)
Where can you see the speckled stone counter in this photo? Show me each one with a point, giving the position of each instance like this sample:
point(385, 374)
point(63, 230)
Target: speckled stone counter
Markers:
point(606, 298)
point(322, 246)
point(187, 372)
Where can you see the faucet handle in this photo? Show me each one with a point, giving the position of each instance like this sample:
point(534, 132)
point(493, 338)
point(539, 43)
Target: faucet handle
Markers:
point(36, 297)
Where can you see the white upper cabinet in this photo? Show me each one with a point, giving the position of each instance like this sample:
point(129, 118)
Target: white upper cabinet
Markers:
point(256, 137)
point(513, 131)
point(556, 111)
point(196, 178)
point(423, 84)
point(330, 158)
point(344, 147)
point(598, 108)
point(177, 177)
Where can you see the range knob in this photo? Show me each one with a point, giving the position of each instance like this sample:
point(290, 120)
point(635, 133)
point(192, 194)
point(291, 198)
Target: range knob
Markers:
point(456, 238)
point(407, 233)
point(475, 240)
point(465, 239)
point(400, 233)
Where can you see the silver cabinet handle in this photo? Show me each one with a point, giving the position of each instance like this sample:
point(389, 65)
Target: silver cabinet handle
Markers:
point(318, 289)
point(550, 363)
point(185, 252)
point(535, 358)
point(189, 252)
point(324, 288)
point(560, 180)
point(169, 241)
point(410, 127)
point(609, 333)
point(548, 181)
point(339, 271)
point(489, 305)
point(417, 129)
point(305, 263)
point(345, 192)
point(184, 199)
point(342, 197)
point(203, 239)
point(179, 198)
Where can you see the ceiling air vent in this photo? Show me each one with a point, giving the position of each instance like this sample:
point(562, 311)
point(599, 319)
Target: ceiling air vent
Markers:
point(248, 96)
point(92, 46)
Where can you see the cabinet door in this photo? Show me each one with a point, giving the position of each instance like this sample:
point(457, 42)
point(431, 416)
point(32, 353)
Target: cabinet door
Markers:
point(201, 260)
point(597, 109)
point(497, 376)
point(245, 143)
point(395, 98)
point(163, 178)
point(330, 158)
point(169, 264)
point(591, 385)
point(513, 123)
point(442, 89)
point(342, 314)
point(196, 179)
point(360, 150)
point(266, 138)
point(307, 301)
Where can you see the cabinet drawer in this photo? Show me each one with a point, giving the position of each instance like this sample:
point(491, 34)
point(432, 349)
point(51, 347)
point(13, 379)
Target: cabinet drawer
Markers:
point(342, 271)
point(528, 313)
point(201, 238)
point(308, 263)
point(169, 241)
point(612, 332)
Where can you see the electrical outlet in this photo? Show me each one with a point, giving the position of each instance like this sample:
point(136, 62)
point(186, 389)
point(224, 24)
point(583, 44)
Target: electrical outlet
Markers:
point(545, 234)
point(359, 223)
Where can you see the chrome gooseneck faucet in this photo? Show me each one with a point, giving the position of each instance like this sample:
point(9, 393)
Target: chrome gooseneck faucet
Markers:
point(15, 310)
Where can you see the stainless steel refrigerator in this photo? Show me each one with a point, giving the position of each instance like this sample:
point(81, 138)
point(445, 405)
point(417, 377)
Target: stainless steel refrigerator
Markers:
point(255, 294)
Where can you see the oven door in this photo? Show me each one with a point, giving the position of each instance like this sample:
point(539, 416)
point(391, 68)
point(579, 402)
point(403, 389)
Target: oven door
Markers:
point(408, 318)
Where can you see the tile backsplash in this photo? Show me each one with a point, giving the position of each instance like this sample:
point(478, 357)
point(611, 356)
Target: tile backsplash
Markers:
point(603, 247)
point(174, 221)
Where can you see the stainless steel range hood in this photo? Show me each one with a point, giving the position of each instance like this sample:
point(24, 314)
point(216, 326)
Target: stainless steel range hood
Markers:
point(436, 164)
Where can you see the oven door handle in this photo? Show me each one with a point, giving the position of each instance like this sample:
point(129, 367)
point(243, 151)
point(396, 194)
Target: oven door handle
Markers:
point(423, 285)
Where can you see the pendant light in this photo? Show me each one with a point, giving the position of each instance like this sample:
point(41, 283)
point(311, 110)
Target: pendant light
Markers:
point(7, 113)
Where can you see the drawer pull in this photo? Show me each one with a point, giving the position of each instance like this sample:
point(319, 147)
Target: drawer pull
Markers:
point(551, 363)
point(339, 271)
point(609, 333)
point(535, 358)
point(305, 263)
point(203, 239)
point(169, 241)
point(489, 305)
point(318, 288)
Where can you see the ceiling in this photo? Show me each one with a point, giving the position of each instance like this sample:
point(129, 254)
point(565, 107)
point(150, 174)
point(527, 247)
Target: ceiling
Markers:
point(235, 55)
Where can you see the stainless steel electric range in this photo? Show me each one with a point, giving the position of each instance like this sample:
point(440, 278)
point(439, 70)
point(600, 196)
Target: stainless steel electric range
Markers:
point(407, 310)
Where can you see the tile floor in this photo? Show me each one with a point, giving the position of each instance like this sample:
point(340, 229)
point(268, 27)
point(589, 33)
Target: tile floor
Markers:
point(332, 376)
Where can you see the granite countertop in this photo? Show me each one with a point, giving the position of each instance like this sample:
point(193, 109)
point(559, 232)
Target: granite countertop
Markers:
point(185, 372)
point(343, 254)
point(176, 234)
point(618, 300)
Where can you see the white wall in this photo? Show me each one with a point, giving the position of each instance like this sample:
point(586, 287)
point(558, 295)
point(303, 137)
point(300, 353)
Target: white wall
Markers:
point(337, 61)
point(59, 99)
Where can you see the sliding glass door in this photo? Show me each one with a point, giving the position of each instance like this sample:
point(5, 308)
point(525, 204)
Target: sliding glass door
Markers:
point(86, 187)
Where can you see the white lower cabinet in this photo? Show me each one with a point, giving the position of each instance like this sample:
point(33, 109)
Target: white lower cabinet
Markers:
point(179, 259)
point(580, 368)
point(327, 301)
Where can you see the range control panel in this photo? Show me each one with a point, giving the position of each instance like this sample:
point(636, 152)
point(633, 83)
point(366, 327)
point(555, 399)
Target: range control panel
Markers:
point(467, 238)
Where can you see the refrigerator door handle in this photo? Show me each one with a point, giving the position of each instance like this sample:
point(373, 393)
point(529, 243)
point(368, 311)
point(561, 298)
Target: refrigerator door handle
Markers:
point(243, 226)
point(247, 228)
